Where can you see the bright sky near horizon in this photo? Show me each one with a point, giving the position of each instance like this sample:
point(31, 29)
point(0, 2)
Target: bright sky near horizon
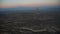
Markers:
point(16, 3)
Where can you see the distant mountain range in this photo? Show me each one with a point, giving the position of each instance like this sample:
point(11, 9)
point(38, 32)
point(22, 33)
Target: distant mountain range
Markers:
point(30, 8)
point(52, 10)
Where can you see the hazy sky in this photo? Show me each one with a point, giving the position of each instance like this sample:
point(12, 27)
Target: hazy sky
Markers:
point(17, 3)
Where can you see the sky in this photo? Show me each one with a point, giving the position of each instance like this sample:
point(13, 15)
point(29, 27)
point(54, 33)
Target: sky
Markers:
point(26, 3)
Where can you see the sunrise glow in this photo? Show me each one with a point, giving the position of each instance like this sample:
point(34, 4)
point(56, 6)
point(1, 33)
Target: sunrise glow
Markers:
point(28, 3)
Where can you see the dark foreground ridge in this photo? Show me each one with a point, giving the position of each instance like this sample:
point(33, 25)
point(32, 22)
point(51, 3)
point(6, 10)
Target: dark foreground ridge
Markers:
point(30, 23)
